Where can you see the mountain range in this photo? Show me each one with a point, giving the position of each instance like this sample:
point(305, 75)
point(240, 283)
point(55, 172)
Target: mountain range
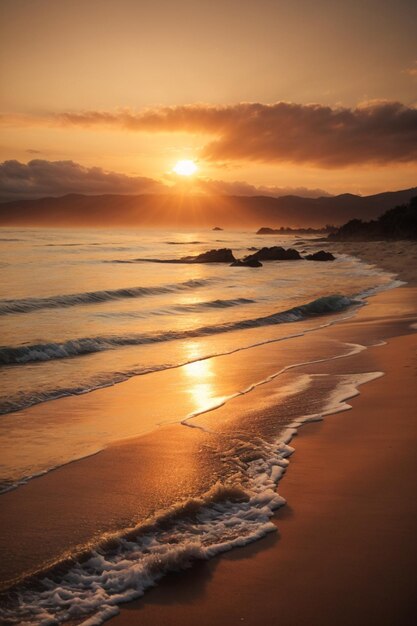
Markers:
point(198, 211)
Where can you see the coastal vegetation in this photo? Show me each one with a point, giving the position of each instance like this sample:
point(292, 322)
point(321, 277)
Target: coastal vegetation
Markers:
point(397, 223)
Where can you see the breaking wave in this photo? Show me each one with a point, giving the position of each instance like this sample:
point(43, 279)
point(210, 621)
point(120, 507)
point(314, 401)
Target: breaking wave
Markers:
point(180, 308)
point(10, 355)
point(27, 305)
point(121, 567)
point(90, 584)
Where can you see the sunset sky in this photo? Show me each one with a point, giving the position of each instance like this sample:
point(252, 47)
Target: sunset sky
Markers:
point(269, 96)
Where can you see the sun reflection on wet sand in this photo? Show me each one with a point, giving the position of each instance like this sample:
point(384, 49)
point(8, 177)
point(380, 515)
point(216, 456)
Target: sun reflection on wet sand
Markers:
point(202, 388)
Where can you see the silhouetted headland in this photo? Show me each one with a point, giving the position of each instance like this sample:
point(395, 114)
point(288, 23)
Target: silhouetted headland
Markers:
point(397, 223)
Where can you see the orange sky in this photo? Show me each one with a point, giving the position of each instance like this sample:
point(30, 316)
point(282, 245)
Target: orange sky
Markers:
point(130, 60)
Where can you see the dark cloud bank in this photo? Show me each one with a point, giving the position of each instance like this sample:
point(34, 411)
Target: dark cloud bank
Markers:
point(374, 133)
point(40, 178)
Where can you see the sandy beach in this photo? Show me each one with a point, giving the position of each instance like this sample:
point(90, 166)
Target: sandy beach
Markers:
point(399, 257)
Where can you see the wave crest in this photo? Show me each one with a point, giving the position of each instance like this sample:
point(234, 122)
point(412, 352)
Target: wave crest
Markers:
point(121, 567)
point(10, 355)
point(27, 305)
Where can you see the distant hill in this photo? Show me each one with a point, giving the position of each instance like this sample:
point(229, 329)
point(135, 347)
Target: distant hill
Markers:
point(295, 231)
point(397, 223)
point(194, 211)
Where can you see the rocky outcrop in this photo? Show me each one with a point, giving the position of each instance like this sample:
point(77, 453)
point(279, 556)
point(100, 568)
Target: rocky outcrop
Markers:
point(217, 228)
point(276, 253)
point(322, 255)
point(246, 263)
point(266, 230)
point(223, 255)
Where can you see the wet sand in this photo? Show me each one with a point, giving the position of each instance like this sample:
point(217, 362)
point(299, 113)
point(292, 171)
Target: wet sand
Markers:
point(399, 257)
point(346, 550)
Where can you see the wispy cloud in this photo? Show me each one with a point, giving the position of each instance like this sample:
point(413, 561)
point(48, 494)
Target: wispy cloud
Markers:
point(412, 70)
point(378, 133)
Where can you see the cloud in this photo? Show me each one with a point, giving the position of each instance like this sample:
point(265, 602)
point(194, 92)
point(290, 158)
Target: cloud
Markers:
point(40, 178)
point(412, 70)
point(32, 151)
point(241, 188)
point(374, 133)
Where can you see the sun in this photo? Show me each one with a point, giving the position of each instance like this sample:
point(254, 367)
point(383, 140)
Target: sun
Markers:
point(185, 167)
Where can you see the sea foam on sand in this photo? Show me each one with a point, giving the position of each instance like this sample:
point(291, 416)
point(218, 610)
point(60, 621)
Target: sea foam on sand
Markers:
point(227, 516)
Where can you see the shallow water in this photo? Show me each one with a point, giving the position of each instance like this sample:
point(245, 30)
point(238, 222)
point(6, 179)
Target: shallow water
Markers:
point(221, 349)
point(72, 320)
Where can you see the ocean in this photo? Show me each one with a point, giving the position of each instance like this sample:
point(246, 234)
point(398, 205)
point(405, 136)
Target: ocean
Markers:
point(100, 345)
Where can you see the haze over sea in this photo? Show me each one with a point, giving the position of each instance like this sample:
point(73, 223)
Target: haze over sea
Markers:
point(100, 346)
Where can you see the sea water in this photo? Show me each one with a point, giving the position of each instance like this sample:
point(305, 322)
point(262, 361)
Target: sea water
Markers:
point(100, 344)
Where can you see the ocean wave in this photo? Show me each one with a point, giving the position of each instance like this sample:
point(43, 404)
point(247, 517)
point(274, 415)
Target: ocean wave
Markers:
point(182, 243)
point(90, 584)
point(213, 304)
point(180, 308)
point(10, 355)
point(27, 305)
point(121, 567)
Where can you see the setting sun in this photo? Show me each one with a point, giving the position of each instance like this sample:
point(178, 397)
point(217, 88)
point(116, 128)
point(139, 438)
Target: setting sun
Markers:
point(185, 168)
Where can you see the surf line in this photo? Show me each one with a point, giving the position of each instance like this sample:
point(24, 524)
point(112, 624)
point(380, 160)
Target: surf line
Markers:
point(356, 348)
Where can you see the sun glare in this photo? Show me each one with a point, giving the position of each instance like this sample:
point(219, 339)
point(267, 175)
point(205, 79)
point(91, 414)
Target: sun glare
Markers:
point(185, 168)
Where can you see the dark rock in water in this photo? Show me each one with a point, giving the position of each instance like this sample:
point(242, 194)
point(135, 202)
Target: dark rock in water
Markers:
point(246, 263)
point(320, 256)
point(253, 248)
point(217, 228)
point(223, 255)
point(265, 230)
point(276, 253)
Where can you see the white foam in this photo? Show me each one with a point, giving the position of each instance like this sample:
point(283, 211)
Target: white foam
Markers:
point(226, 517)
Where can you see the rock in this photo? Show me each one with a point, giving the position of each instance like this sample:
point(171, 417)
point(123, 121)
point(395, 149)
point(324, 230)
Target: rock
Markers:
point(322, 255)
point(246, 263)
point(276, 253)
point(217, 228)
point(283, 230)
point(265, 230)
point(223, 255)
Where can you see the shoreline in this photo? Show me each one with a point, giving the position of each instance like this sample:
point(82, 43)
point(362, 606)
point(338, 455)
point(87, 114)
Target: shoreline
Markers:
point(399, 257)
point(345, 551)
